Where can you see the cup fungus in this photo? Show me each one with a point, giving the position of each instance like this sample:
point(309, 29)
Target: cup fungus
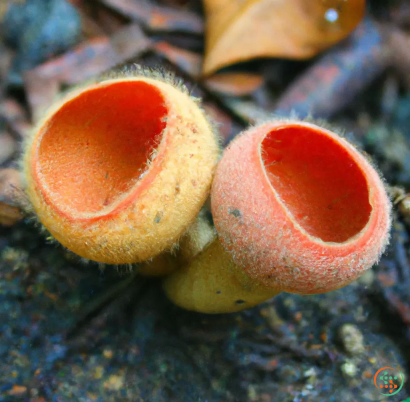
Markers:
point(118, 170)
point(297, 209)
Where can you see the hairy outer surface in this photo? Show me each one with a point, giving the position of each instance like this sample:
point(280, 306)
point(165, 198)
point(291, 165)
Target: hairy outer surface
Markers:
point(209, 284)
point(118, 170)
point(193, 242)
point(298, 208)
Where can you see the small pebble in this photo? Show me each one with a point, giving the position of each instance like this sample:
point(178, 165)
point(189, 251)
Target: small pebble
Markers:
point(352, 339)
point(367, 278)
point(349, 369)
point(108, 353)
point(114, 383)
point(99, 372)
point(310, 373)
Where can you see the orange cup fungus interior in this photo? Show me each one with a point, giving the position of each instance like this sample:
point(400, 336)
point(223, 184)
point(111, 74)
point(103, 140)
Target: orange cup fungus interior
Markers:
point(325, 192)
point(95, 148)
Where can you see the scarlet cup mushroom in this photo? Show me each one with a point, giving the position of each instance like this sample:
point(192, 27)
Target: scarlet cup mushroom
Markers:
point(118, 170)
point(297, 209)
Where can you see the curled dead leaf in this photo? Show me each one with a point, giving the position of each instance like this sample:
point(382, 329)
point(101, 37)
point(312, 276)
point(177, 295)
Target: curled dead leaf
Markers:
point(10, 187)
point(189, 62)
point(235, 84)
point(295, 29)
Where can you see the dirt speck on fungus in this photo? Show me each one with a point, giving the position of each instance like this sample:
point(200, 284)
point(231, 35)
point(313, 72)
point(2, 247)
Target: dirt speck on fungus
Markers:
point(158, 216)
point(235, 212)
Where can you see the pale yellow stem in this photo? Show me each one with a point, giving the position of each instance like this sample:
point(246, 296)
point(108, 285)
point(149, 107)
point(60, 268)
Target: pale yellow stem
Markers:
point(208, 285)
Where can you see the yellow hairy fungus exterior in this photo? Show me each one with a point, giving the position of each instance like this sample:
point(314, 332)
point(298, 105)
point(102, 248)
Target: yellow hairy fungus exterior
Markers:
point(119, 169)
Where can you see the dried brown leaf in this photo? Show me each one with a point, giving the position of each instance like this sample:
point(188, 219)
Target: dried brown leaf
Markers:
point(10, 187)
point(158, 18)
point(187, 61)
point(295, 29)
point(235, 84)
